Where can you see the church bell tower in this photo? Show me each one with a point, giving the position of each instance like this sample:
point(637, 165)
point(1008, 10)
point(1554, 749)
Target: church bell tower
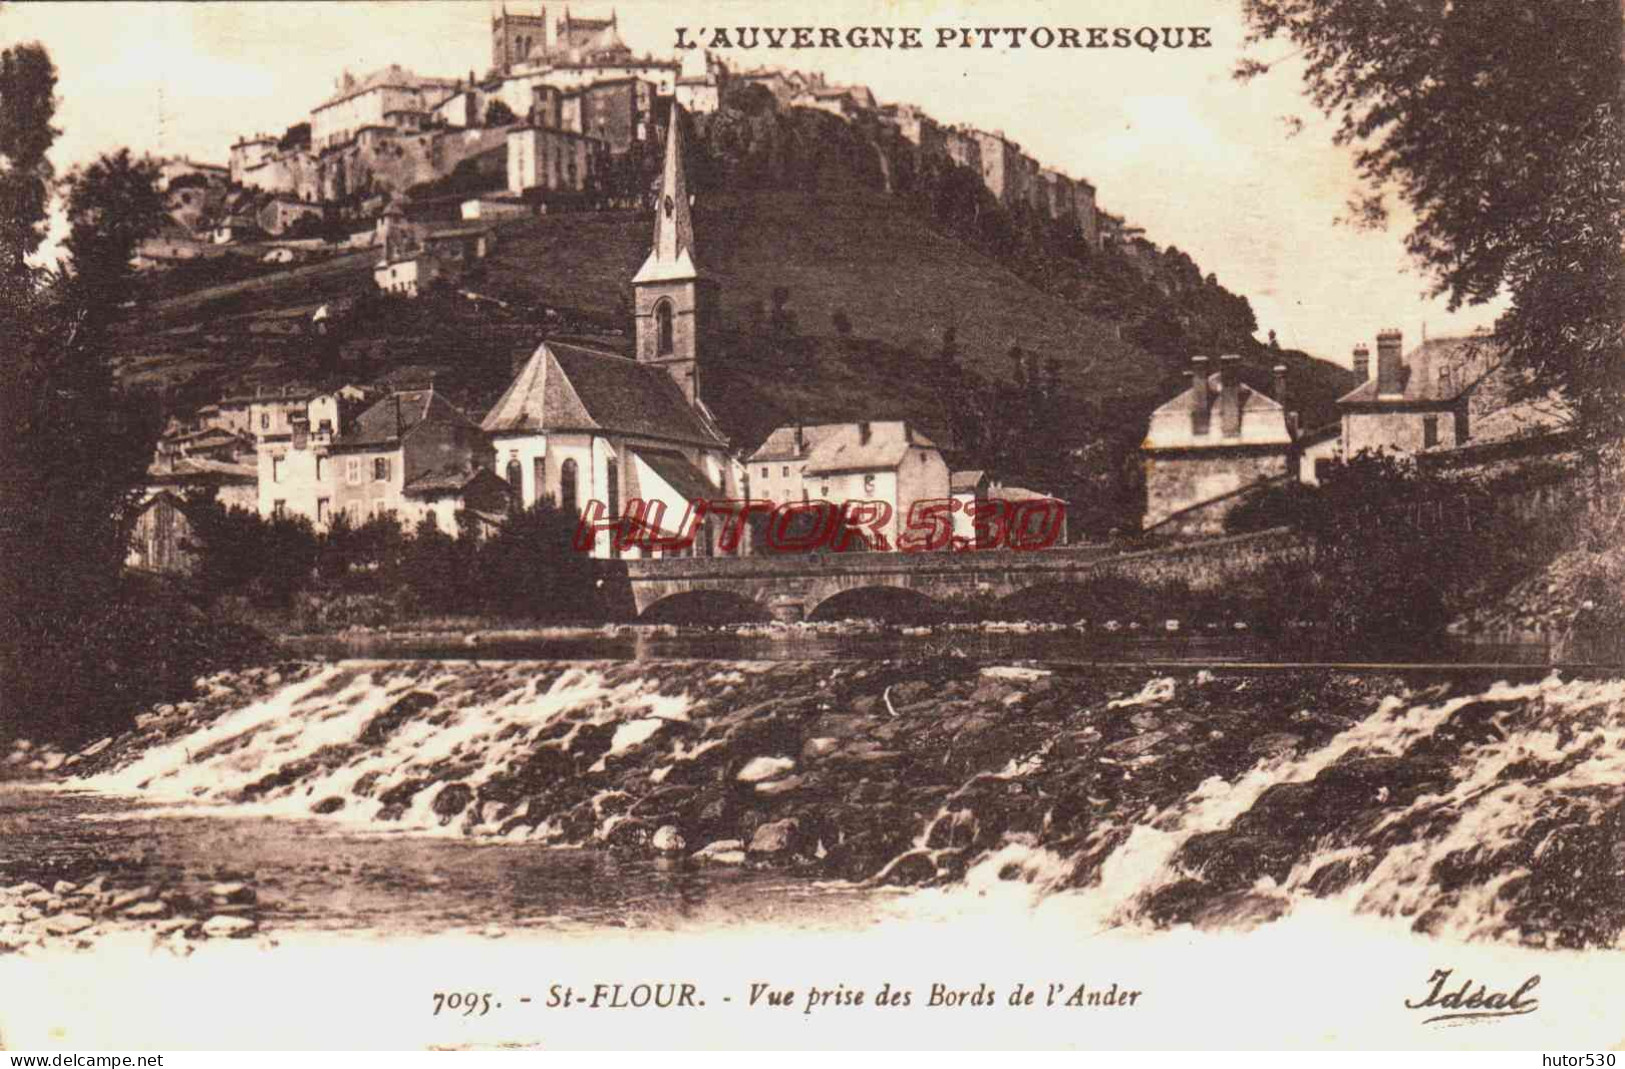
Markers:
point(671, 295)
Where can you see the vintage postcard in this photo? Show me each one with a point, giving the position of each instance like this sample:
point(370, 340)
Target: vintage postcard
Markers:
point(885, 523)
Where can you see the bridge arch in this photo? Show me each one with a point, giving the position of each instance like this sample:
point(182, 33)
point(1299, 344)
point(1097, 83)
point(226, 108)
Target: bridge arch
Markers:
point(705, 605)
point(883, 601)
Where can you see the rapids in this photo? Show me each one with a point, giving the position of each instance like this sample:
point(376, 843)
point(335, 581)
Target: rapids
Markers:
point(1480, 808)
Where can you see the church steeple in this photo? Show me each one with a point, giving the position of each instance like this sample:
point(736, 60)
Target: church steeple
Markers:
point(671, 296)
point(671, 256)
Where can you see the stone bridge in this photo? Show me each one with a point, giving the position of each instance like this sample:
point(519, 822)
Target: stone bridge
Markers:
point(793, 586)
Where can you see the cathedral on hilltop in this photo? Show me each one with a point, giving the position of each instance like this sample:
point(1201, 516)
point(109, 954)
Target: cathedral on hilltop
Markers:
point(519, 38)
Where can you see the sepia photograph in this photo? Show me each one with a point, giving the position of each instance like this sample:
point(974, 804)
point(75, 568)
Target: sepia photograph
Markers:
point(910, 524)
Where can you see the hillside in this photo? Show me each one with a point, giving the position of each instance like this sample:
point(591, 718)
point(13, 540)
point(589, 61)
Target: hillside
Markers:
point(1005, 338)
point(896, 280)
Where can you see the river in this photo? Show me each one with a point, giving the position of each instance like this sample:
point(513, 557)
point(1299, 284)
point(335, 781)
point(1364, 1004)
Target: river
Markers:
point(430, 822)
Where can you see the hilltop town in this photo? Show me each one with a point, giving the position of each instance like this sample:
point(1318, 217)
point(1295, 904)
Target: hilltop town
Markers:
point(566, 116)
point(417, 186)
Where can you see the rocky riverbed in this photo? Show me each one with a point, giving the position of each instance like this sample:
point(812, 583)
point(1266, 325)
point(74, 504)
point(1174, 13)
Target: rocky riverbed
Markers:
point(1467, 805)
point(34, 917)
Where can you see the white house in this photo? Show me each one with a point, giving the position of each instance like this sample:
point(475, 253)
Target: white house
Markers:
point(885, 461)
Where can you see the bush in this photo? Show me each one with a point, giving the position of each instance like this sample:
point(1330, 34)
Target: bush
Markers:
point(1384, 581)
point(531, 568)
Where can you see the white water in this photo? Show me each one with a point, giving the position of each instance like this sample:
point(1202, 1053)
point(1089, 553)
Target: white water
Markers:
point(1560, 754)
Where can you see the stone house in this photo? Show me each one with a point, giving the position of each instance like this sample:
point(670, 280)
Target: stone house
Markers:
point(283, 210)
point(580, 425)
point(1209, 444)
point(551, 159)
point(413, 455)
point(1417, 402)
point(885, 461)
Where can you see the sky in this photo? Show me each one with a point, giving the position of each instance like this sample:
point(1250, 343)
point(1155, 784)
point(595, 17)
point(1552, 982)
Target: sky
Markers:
point(1169, 139)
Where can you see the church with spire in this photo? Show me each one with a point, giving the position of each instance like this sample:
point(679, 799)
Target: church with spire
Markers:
point(580, 424)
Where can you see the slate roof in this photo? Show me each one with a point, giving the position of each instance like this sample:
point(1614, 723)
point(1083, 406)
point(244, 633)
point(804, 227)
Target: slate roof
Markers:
point(568, 387)
point(1470, 358)
point(451, 479)
point(845, 449)
point(392, 75)
point(781, 444)
point(386, 423)
point(1015, 493)
point(202, 470)
point(678, 473)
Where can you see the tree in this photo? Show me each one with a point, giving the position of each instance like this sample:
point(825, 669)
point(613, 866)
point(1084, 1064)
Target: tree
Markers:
point(497, 113)
point(81, 644)
point(1498, 124)
point(113, 204)
point(27, 103)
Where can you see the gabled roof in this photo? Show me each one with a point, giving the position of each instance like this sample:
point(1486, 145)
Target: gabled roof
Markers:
point(1015, 493)
point(1438, 371)
point(1263, 420)
point(567, 387)
point(678, 473)
point(202, 471)
point(781, 444)
point(846, 450)
point(390, 420)
point(963, 482)
point(393, 75)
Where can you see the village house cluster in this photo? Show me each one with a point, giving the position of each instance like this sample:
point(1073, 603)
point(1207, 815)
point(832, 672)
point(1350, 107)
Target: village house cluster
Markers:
point(577, 424)
point(557, 121)
point(1219, 440)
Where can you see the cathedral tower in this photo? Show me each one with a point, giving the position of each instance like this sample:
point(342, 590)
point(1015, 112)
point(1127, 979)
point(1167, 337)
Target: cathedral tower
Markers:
point(517, 38)
point(671, 296)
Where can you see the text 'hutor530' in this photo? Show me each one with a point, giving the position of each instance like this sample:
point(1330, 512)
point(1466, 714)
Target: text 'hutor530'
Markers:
point(808, 526)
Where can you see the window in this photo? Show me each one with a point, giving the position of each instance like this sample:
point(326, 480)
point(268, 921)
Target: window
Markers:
point(868, 486)
point(539, 473)
point(279, 509)
point(265, 421)
point(764, 472)
point(323, 507)
point(380, 469)
point(276, 469)
point(613, 488)
point(352, 470)
point(823, 491)
point(516, 477)
point(567, 486)
point(784, 471)
point(1430, 431)
point(321, 467)
point(663, 338)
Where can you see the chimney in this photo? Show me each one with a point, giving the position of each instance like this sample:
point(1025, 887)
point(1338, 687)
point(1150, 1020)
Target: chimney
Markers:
point(1362, 362)
point(1280, 384)
point(801, 440)
point(1390, 361)
point(1202, 401)
point(1230, 395)
point(863, 432)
